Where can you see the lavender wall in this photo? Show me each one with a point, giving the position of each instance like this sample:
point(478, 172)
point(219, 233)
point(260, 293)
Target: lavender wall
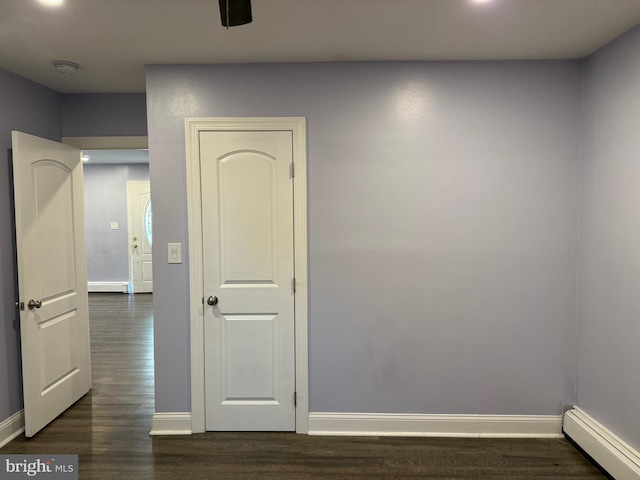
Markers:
point(33, 109)
point(609, 262)
point(105, 201)
point(442, 227)
point(108, 114)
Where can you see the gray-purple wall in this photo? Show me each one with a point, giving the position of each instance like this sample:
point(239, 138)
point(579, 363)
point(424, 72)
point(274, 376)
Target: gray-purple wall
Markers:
point(105, 201)
point(33, 109)
point(443, 212)
point(106, 114)
point(609, 262)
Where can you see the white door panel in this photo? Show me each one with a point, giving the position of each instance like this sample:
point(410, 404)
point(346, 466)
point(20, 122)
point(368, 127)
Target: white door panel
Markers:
point(52, 277)
point(140, 248)
point(247, 211)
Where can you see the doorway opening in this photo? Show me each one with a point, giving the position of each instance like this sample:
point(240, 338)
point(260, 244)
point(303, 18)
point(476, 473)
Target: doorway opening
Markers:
point(121, 322)
point(118, 219)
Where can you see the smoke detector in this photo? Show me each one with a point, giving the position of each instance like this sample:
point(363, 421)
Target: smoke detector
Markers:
point(63, 66)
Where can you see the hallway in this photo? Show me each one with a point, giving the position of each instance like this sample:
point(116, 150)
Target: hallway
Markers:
point(109, 429)
point(111, 422)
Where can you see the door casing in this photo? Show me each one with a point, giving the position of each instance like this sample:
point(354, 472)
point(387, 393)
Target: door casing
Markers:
point(296, 125)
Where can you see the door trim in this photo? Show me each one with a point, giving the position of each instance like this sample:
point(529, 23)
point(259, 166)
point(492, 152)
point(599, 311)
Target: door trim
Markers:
point(108, 143)
point(193, 127)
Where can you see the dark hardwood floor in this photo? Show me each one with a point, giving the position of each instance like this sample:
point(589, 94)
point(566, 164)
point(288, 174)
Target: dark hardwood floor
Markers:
point(109, 429)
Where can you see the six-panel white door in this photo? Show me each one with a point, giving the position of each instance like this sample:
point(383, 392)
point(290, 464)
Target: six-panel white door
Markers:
point(140, 240)
point(52, 278)
point(247, 216)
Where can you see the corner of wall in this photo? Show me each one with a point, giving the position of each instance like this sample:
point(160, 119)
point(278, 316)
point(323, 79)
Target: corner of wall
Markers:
point(618, 458)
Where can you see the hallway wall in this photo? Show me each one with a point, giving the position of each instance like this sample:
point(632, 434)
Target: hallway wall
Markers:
point(105, 201)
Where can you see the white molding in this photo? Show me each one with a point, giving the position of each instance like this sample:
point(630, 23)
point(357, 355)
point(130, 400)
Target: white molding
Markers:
point(193, 127)
point(415, 425)
point(108, 287)
point(108, 143)
point(174, 423)
point(618, 458)
point(11, 428)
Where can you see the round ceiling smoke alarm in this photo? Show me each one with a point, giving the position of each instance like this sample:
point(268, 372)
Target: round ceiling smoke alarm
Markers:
point(63, 66)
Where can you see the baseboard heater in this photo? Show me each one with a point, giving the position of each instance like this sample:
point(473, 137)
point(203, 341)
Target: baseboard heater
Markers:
point(108, 287)
point(619, 459)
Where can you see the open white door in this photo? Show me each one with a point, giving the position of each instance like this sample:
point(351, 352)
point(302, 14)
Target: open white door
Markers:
point(52, 278)
point(140, 239)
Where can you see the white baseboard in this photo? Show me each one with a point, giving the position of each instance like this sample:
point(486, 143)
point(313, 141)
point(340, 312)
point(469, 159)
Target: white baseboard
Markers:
point(614, 455)
point(412, 425)
point(173, 423)
point(11, 428)
point(108, 287)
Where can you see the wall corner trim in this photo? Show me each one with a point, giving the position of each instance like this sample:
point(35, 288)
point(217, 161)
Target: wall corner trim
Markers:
point(11, 427)
point(171, 423)
point(416, 425)
point(618, 458)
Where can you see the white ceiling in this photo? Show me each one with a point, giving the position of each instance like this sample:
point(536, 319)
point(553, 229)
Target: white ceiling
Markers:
point(112, 40)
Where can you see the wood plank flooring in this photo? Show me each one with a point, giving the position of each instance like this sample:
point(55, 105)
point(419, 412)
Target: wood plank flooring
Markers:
point(109, 429)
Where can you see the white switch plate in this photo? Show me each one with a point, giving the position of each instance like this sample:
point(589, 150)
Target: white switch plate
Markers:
point(175, 252)
point(114, 226)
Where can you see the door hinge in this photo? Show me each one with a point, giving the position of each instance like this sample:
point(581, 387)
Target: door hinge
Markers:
point(292, 170)
point(295, 399)
point(293, 285)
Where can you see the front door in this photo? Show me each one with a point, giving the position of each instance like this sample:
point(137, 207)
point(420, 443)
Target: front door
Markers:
point(247, 217)
point(140, 237)
point(52, 278)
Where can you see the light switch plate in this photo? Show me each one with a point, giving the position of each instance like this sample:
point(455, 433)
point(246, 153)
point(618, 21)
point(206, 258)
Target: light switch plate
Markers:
point(114, 226)
point(174, 252)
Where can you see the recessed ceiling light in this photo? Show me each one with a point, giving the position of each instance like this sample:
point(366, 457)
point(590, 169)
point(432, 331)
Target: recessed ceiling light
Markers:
point(51, 3)
point(66, 67)
point(481, 1)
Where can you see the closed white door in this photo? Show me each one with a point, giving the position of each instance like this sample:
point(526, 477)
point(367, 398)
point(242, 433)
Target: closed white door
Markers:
point(54, 313)
point(247, 217)
point(140, 236)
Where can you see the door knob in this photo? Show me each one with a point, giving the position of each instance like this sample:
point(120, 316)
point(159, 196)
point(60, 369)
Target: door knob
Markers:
point(34, 304)
point(212, 300)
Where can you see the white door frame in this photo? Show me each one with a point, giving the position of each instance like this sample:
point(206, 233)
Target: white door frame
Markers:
point(110, 143)
point(296, 125)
